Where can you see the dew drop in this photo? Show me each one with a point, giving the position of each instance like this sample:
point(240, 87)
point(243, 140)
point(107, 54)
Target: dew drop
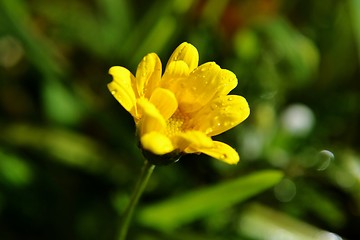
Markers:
point(325, 157)
point(223, 156)
point(113, 92)
point(216, 122)
point(230, 99)
point(214, 106)
point(226, 124)
point(209, 130)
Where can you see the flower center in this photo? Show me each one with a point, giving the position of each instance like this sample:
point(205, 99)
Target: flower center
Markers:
point(175, 124)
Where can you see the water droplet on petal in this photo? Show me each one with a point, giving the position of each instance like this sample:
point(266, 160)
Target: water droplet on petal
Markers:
point(230, 99)
point(223, 156)
point(213, 106)
point(216, 122)
point(113, 92)
point(226, 124)
point(209, 130)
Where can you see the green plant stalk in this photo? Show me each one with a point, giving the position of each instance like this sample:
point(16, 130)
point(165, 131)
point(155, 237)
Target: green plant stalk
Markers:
point(139, 189)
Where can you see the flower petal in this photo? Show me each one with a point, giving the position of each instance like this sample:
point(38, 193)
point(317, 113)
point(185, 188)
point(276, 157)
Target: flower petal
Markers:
point(190, 141)
point(220, 115)
point(187, 53)
point(227, 81)
point(151, 119)
point(202, 85)
point(174, 75)
point(222, 152)
point(175, 70)
point(122, 88)
point(148, 75)
point(165, 101)
point(156, 143)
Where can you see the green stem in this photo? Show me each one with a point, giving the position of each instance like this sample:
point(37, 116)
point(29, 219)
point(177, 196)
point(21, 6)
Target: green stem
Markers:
point(139, 189)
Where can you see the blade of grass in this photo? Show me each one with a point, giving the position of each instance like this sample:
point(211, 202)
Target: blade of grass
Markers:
point(180, 210)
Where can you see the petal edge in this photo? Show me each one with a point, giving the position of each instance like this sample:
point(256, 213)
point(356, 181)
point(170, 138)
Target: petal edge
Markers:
point(156, 143)
point(187, 53)
point(222, 152)
point(122, 88)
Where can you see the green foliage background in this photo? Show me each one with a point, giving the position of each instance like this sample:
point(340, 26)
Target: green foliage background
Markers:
point(68, 153)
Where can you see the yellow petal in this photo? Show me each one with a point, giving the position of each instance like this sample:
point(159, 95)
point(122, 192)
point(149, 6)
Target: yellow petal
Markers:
point(187, 53)
point(165, 101)
point(176, 69)
point(151, 119)
point(156, 143)
point(190, 141)
point(202, 85)
point(148, 75)
point(227, 81)
point(220, 115)
point(122, 88)
point(174, 74)
point(222, 152)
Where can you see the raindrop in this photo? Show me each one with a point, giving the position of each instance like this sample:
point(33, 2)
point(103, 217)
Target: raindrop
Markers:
point(226, 124)
point(113, 92)
point(324, 159)
point(216, 122)
point(230, 99)
point(209, 130)
point(214, 106)
point(223, 156)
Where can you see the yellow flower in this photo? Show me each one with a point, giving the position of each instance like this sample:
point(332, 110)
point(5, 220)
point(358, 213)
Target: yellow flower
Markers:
point(179, 111)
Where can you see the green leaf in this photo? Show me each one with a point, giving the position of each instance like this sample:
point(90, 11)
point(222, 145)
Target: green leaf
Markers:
point(14, 170)
point(171, 213)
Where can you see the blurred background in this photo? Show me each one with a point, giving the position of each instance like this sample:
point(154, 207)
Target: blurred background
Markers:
point(68, 154)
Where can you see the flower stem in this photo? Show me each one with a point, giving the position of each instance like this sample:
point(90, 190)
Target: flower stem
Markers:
point(139, 189)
